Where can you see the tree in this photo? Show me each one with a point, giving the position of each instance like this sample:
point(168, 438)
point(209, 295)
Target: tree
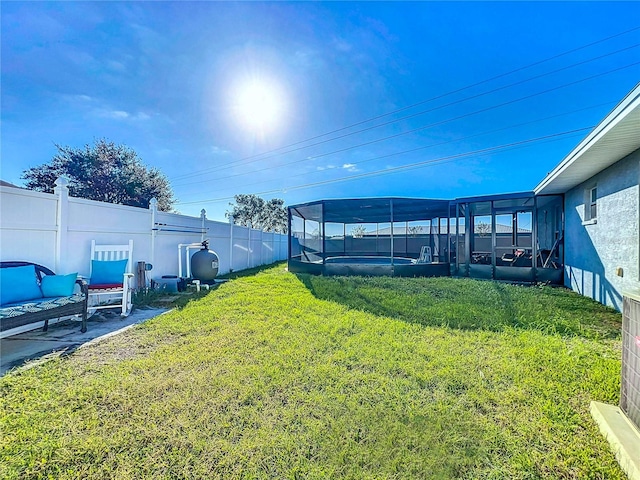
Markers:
point(105, 172)
point(252, 211)
point(483, 229)
point(414, 231)
point(358, 231)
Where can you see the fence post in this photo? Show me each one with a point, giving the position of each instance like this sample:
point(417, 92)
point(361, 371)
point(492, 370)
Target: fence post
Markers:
point(261, 247)
point(153, 207)
point(249, 249)
point(61, 190)
point(230, 243)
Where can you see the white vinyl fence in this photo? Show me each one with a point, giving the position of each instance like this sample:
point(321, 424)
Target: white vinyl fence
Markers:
point(55, 230)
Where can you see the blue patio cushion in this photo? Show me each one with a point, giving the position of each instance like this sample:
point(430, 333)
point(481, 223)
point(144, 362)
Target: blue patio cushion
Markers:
point(107, 272)
point(58, 285)
point(18, 284)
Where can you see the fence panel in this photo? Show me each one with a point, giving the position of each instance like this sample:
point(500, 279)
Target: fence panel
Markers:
point(56, 231)
point(267, 247)
point(240, 252)
point(218, 235)
point(28, 228)
point(105, 223)
point(170, 231)
point(255, 248)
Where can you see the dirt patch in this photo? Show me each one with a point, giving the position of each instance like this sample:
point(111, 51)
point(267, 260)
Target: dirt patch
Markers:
point(115, 349)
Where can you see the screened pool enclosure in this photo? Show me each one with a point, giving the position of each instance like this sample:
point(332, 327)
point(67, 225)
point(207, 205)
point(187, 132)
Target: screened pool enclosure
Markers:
point(514, 237)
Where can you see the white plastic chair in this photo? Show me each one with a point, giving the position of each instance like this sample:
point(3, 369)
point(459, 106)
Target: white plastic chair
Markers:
point(109, 295)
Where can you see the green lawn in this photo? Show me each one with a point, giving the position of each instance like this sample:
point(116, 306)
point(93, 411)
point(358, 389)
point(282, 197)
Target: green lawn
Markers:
point(274, 375)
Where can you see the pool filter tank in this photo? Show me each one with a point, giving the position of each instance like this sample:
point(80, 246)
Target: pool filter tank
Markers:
point(204, 264)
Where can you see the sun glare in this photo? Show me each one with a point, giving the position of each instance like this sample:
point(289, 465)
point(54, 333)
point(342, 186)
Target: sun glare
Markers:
point(259, 105)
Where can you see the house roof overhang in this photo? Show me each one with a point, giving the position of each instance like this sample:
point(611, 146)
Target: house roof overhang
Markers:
point(7, 184)
point(612, 139)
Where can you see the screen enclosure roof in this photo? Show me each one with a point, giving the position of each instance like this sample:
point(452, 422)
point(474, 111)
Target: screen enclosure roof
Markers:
point(372, 210)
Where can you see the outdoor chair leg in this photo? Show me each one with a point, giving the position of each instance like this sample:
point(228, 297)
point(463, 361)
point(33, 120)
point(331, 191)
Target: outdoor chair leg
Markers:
point(126, 296)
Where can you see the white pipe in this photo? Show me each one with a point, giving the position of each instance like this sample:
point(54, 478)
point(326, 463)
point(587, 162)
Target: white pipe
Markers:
point(187, 247)
point(203, 216)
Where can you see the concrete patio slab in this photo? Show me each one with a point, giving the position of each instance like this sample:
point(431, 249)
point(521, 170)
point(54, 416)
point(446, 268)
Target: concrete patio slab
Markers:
point(64, 337)
point(623, 437)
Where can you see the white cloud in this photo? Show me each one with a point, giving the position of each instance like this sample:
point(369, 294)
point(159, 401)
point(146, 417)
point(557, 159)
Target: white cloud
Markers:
point(122, 115)
point(327, 167)
point(76, 98)
point(307, 58)
point(97, 107)
point(342, 45)
point(116, 66)
point(215, 150)
point(350, 167)
point(80, 58)
point(117, 114)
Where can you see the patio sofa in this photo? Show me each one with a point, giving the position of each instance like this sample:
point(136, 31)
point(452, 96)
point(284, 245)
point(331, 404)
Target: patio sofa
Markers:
point(31, 293)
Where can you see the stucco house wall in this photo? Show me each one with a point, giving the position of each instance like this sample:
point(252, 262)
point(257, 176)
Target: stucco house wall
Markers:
point(594, 251)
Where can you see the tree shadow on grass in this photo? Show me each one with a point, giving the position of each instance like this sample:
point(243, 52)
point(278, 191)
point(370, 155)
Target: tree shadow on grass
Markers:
point(251, 271)
point(464, 303)
point(152, 298)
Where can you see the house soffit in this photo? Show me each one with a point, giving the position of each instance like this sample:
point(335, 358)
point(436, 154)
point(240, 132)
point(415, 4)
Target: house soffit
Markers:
point(613, 139)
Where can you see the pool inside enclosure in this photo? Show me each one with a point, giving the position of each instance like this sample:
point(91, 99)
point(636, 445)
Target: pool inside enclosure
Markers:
point(513, 237)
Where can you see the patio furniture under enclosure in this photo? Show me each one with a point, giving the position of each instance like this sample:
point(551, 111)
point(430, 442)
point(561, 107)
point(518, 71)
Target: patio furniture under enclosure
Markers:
point(513, 237)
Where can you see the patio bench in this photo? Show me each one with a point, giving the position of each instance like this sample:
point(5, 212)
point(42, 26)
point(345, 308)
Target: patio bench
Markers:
point(31, 293)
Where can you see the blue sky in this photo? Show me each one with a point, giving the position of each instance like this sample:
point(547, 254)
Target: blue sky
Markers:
point(173, 81)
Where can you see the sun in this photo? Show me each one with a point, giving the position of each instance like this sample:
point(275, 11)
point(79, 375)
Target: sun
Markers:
point(259, 104)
